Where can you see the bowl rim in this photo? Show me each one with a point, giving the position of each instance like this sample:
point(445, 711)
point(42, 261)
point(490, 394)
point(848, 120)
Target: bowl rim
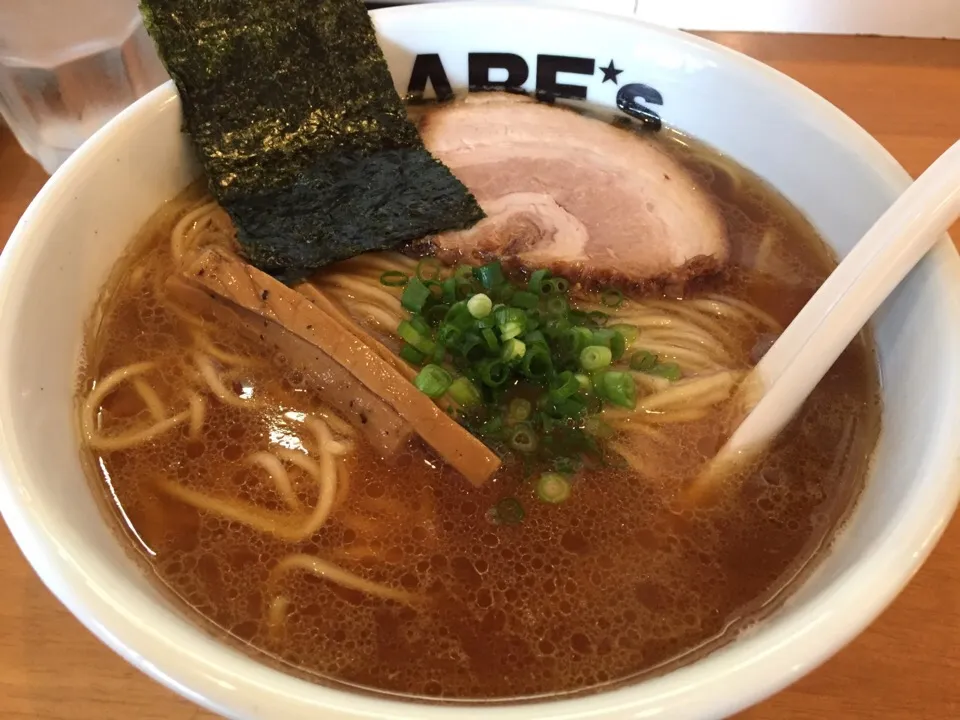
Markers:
point(729, 679)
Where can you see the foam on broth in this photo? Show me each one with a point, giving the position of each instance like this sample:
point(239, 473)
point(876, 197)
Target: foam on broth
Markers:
point(614, 583)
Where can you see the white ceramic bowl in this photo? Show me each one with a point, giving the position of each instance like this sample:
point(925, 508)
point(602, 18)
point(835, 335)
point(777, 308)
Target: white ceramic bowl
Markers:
point(824, 163)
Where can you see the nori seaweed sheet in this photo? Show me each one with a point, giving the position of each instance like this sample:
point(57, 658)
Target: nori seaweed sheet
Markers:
point(303, 138)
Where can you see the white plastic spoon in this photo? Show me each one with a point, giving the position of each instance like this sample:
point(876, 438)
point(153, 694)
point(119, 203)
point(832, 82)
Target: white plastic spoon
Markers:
point(777, 387)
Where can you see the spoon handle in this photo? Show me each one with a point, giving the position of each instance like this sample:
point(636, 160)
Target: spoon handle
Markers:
point(827, 324)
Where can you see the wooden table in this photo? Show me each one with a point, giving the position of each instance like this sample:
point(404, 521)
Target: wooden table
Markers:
point(905, 667)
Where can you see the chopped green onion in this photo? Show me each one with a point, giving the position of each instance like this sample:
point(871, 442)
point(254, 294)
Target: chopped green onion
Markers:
point(629, 332)
point(464, 392)
point(428, 269)
point(480, 305)
point(575, 340)
point(618, 345)
point(670, 371)
point(490, 338)
point(557, 326)
point(394, 278)
point(612, 298)
point(518, 410)
point(556, 305)
point(433, 380)
point(525, 300)
point(564, 385)
point(513, 350)
point(411, 355)
point(594, 357)
point(511, 322)
point(449, 335)
point(570, 407)
point(465, 289)
point(415, 294)
point(537, 370)
point(554, 286)
point(493, 373)
point(459, 316)
point(473, 348)
point(523, 438)
point(435, 287)
point(502, 293)
point(601, 337)
point(618, 388)
point(449, 290)
point(536, 362)
point(415, 337)
point(584, 337)
point(508, 511)
point(436, 314)
point(546, 422)
point(533, 319)
point(489, 275)
point(536, 281)
point(421, 324)
point(490, 321)
point(506, 314)
point(643, 361)
point(553, 488)
point(532, 338)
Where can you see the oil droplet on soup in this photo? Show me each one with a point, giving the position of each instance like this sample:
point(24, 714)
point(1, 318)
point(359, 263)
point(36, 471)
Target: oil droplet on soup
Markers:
point(618, 581)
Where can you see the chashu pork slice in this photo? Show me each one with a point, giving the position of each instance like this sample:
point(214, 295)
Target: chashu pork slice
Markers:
point(591, 202)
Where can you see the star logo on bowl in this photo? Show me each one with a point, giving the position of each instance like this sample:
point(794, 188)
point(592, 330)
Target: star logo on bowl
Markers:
point(610, 72)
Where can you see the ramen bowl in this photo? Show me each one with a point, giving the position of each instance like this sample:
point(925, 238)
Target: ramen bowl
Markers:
point(66, 243)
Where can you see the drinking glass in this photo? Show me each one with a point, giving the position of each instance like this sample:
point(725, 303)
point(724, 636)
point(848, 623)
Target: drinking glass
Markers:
point(67, 67)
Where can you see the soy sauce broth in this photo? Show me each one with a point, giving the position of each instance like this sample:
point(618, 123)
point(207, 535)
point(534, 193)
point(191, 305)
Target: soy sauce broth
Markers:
point(614, 584)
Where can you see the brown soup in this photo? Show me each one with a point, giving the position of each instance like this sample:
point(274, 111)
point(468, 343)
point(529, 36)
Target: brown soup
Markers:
point(618, 581)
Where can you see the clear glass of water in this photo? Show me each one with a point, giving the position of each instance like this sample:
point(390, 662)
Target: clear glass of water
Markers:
point(67, 67)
